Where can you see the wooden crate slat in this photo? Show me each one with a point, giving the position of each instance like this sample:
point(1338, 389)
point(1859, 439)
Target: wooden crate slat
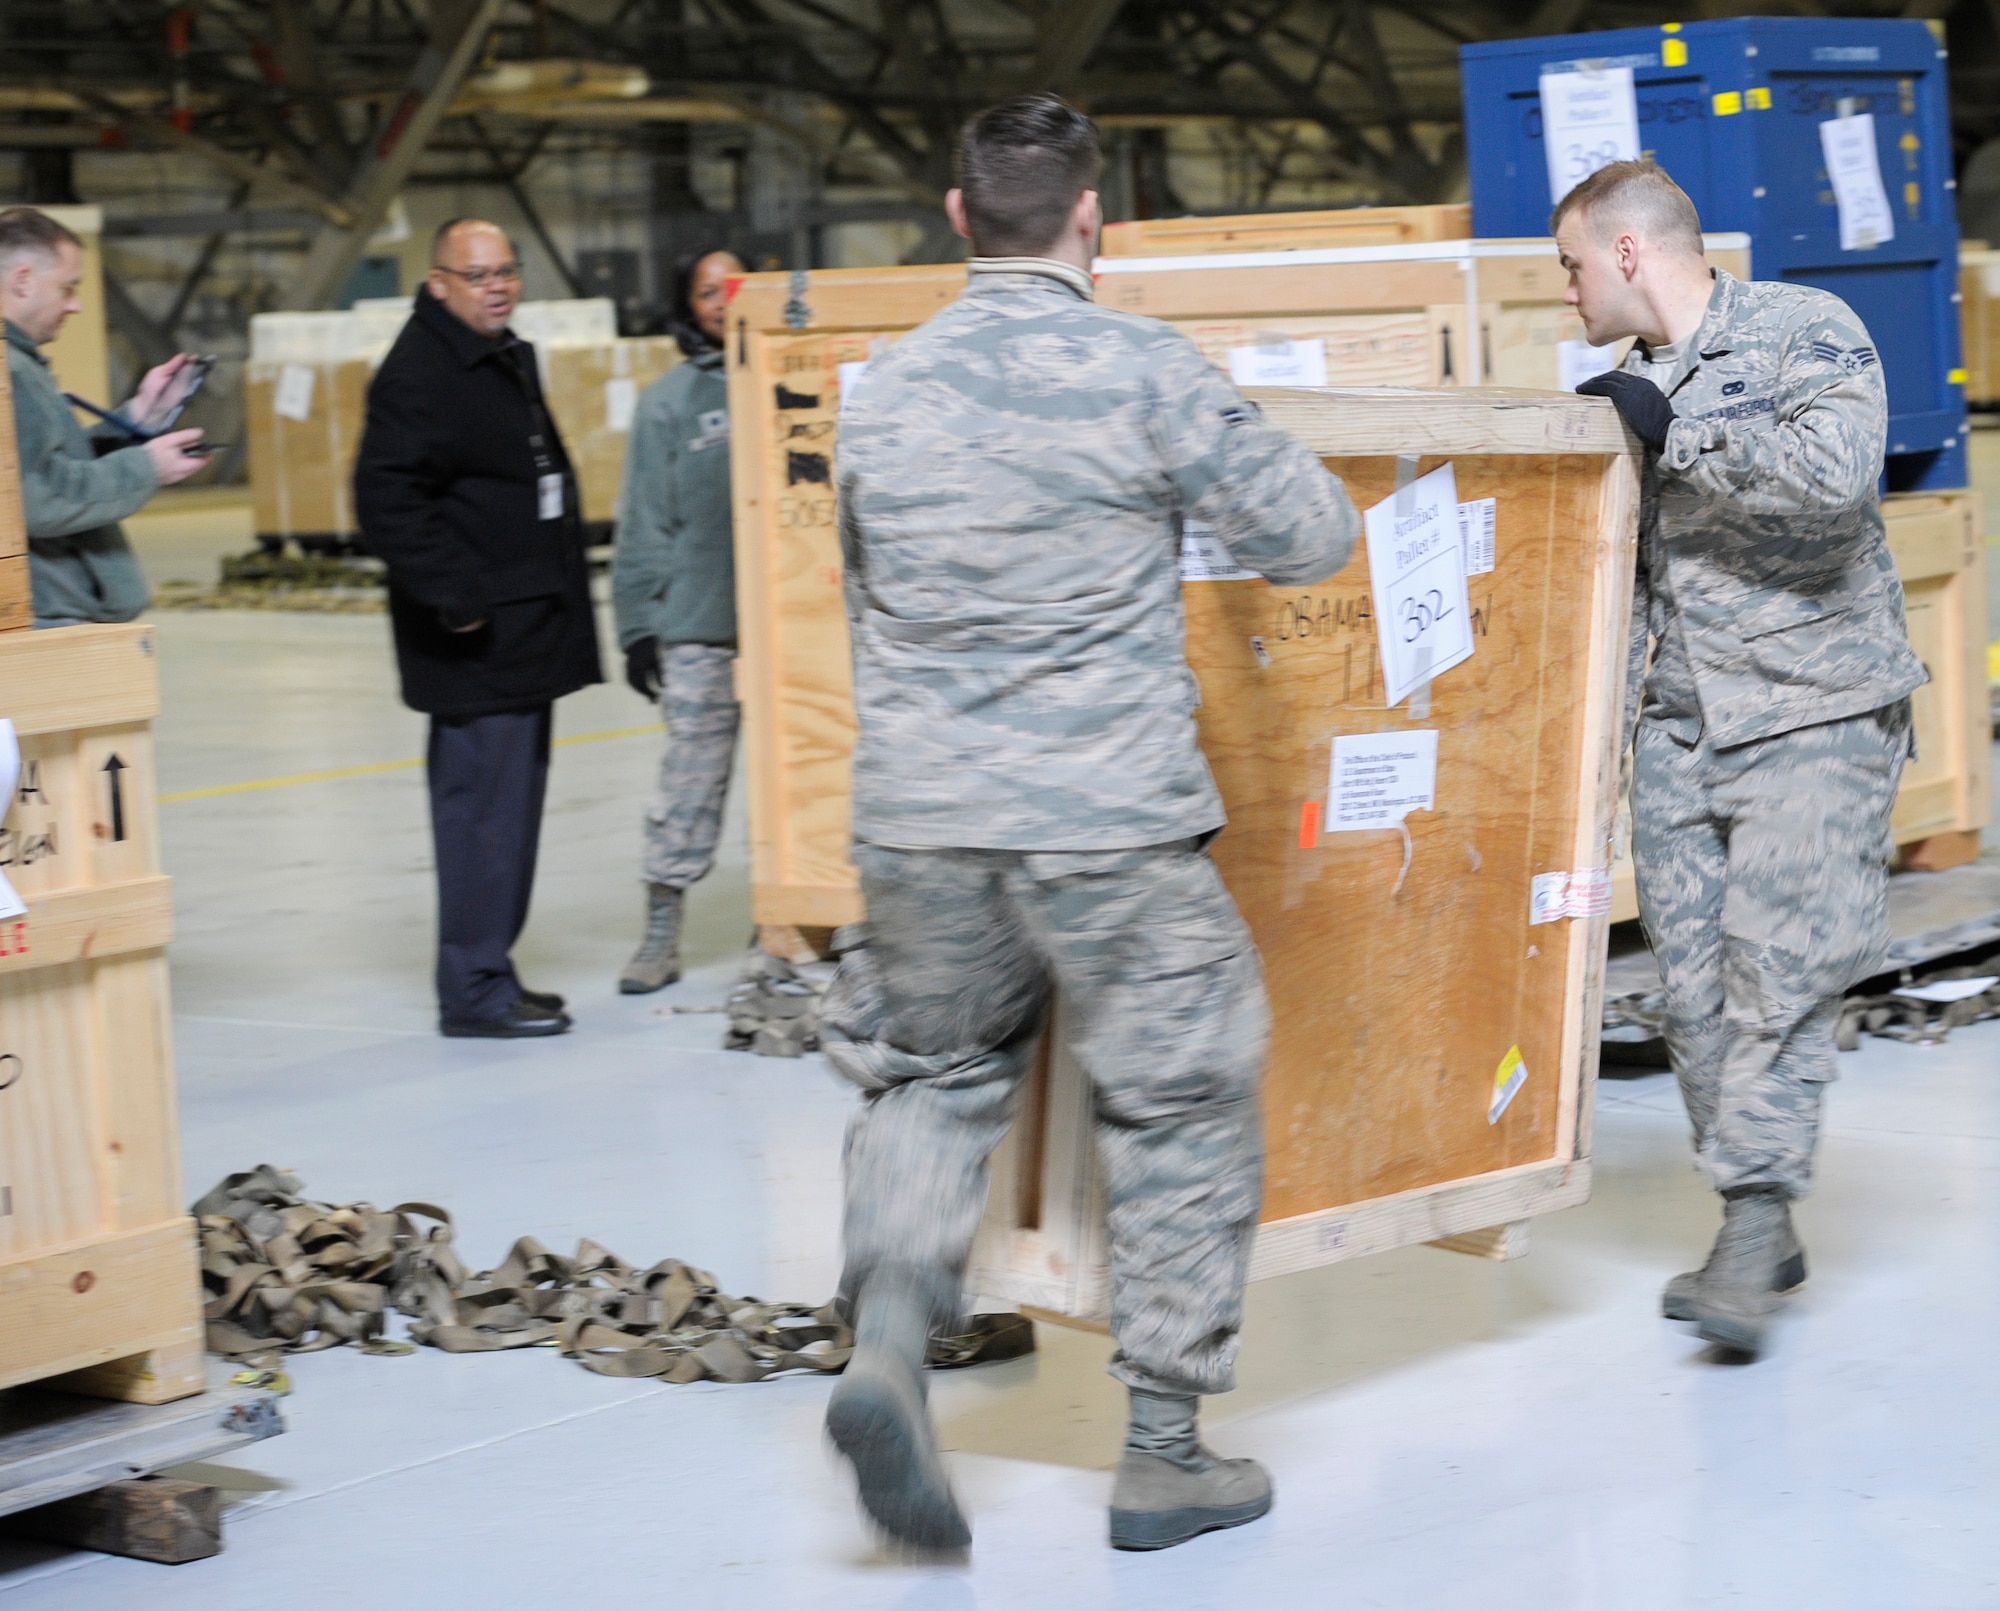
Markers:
point(79, 676)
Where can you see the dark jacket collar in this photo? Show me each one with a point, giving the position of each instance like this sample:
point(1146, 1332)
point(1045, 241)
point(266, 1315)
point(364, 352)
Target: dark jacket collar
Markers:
point(19, 338)
point(465, 344)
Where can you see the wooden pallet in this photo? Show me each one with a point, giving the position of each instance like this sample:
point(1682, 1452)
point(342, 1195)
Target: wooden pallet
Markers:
point(1395, 1002)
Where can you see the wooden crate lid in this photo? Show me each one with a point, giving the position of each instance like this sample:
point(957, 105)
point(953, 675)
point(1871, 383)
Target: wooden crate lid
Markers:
point(78, 676)
point(1364, 422)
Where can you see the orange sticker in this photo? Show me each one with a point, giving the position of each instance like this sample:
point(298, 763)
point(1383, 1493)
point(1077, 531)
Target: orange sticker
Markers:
point(1309, 825)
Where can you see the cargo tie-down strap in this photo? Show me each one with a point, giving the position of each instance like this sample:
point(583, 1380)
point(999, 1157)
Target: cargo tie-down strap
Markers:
point(288, 1275)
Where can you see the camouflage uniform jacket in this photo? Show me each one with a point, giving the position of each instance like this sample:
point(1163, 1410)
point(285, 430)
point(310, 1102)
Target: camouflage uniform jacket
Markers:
point(1763, 568)
point(1013, 477)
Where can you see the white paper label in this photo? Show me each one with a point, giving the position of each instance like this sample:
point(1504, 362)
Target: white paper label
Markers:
point(1477, 521)
point(1848, 144)
point(1589, 119)
point(11, 904)
point(294, 399)
point(621, 397)
point(1204, 559)
point(1578, 361)
point(1423, 617)
point(1946, 991)
point(1280, 363)
point(1379, 778)
point(549, 497)
point(1584, 893)
point(849, 374)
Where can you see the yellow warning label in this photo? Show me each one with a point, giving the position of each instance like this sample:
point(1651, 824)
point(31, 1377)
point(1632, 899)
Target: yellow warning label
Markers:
point(1508, 1078)
point(1758, 99)
point(1670, 27)
point(1673, 52)
point(1956, 378)
point(1728, 103)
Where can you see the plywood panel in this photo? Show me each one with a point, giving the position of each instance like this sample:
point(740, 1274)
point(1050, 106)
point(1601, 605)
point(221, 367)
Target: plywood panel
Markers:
point(80, 676)
point(1279, 232)
point(1433, 973)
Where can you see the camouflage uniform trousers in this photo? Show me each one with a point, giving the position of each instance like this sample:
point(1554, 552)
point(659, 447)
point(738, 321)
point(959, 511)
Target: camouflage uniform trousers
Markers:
point(684, 815)
point(1763, 885)
point(936, 1020)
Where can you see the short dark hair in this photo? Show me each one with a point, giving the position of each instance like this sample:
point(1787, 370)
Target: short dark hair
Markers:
point(1021, 165)
point(23, 229)
point(444, 232)
point(1638, 192)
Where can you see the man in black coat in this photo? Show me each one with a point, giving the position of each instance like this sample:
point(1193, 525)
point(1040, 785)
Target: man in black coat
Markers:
point(463, 489)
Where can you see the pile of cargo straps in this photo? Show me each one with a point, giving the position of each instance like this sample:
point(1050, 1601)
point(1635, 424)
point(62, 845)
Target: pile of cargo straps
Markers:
point(288, 1275)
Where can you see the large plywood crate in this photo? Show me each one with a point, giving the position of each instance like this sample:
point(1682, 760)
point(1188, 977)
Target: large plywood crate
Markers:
point(1398, 990)
point(97, 1255)
point(99, 1284)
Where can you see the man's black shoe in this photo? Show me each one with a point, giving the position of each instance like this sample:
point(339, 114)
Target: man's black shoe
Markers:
point(547, 1000)
point(519, 1021)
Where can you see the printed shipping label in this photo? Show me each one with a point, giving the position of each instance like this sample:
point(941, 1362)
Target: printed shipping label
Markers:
point(1590, 118)
point(1379, 778)
point(1416, 570)
point(1204, 559)
point(1476, 523)
point(621, 397)
point(294, 398)
point(1852, 167)
point(1280, 363)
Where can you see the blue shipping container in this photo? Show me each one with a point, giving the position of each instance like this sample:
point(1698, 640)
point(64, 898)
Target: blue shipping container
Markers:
point(1732, 110)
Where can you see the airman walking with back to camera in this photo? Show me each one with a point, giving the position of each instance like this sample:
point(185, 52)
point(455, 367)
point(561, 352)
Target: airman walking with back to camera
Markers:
point(1774, 720)
point(1030, 806)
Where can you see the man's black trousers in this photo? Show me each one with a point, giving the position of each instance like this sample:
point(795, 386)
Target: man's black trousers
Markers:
point(487, 778)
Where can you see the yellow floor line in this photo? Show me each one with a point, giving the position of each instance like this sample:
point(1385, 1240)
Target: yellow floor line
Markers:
point(379, 766)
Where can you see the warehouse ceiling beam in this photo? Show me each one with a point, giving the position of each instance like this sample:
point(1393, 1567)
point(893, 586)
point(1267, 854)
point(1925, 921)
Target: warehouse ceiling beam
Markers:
point(157, 131)
point(1065, 34)
point(301, 69)
point(459, 30)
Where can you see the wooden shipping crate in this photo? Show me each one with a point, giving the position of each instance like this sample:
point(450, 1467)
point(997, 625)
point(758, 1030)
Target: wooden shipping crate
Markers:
point(17, 606)
point(1979, 322)
point(1387, 315)
point(1288, 232)
point(98, 1276)
point(1399, 993)
point(305, 420)
point(1935, 539)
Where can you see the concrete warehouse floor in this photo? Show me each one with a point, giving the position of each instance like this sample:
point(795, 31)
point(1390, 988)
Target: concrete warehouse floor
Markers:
point(1444, 1432)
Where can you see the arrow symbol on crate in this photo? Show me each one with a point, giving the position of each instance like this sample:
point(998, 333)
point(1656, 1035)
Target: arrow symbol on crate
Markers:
point(112, 768)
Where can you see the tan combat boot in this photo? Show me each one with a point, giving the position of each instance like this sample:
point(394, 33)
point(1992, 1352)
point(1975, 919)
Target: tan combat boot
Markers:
point(657, 962)
point(1169, 1488)
point(878, 1420)
point(1735, 1295)
point(1677, 1301)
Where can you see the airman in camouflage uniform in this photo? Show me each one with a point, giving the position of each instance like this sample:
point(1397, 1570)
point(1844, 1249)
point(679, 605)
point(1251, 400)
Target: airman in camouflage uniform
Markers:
point(1031, 808)
point(1771, 732)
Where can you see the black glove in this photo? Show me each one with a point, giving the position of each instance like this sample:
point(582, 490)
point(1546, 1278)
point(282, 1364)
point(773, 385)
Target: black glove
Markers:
point(642, 668)
point(1641, 404)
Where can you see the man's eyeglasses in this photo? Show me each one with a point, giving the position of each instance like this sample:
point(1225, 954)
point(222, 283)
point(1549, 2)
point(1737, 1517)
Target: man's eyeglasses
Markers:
point(479, 276)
